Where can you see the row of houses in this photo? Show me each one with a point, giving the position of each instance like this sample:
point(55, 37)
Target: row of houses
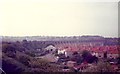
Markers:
point(70, 65)
point(100, 52)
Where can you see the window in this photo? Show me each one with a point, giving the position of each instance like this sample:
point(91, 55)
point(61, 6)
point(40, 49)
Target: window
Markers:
point(99, 55)
point(51, 49)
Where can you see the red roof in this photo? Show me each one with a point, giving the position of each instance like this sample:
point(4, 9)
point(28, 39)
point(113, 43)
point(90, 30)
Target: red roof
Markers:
point(98, 49)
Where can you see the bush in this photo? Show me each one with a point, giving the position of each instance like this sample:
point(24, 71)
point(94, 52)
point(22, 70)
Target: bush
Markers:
point(24, 59)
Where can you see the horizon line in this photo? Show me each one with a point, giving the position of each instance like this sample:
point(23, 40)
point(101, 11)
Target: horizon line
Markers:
point(58, 36)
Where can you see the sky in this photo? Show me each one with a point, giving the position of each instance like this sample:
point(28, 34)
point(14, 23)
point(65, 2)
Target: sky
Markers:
point(62, 18)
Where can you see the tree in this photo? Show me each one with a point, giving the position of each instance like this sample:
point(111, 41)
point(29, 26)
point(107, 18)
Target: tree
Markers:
point(25, 60)
point(76, 57)
point(85, 53)
point(11, 65)
point(87, 56)
point(10, 50)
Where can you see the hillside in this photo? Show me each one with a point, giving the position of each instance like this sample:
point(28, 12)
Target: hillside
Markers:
point(14, 60)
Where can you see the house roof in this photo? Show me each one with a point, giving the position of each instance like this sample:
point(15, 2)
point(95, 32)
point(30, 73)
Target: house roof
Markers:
point(97, 49)
point(50, 47)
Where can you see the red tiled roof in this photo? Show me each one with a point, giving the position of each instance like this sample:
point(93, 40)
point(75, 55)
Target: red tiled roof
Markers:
point(99, 49)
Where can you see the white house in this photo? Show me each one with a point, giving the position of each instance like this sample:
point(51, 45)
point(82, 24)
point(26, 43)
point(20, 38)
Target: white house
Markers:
point(68, 53)
point(50, 48)
point(61, 51)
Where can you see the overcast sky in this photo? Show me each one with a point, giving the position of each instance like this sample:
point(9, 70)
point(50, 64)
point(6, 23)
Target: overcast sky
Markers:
point(32, 18)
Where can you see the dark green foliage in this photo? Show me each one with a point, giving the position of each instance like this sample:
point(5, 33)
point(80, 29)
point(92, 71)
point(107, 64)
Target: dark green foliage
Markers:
point(30, 53)
point(14, 60)
point(10, 50)
point(11, 65)
point(25, 60)
point(85, 53)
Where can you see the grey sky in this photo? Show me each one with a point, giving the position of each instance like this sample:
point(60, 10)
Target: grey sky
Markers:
point(59, 19)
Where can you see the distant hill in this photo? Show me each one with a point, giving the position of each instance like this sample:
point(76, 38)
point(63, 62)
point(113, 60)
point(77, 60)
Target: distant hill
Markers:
point(50, 38)
point(45, 40)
